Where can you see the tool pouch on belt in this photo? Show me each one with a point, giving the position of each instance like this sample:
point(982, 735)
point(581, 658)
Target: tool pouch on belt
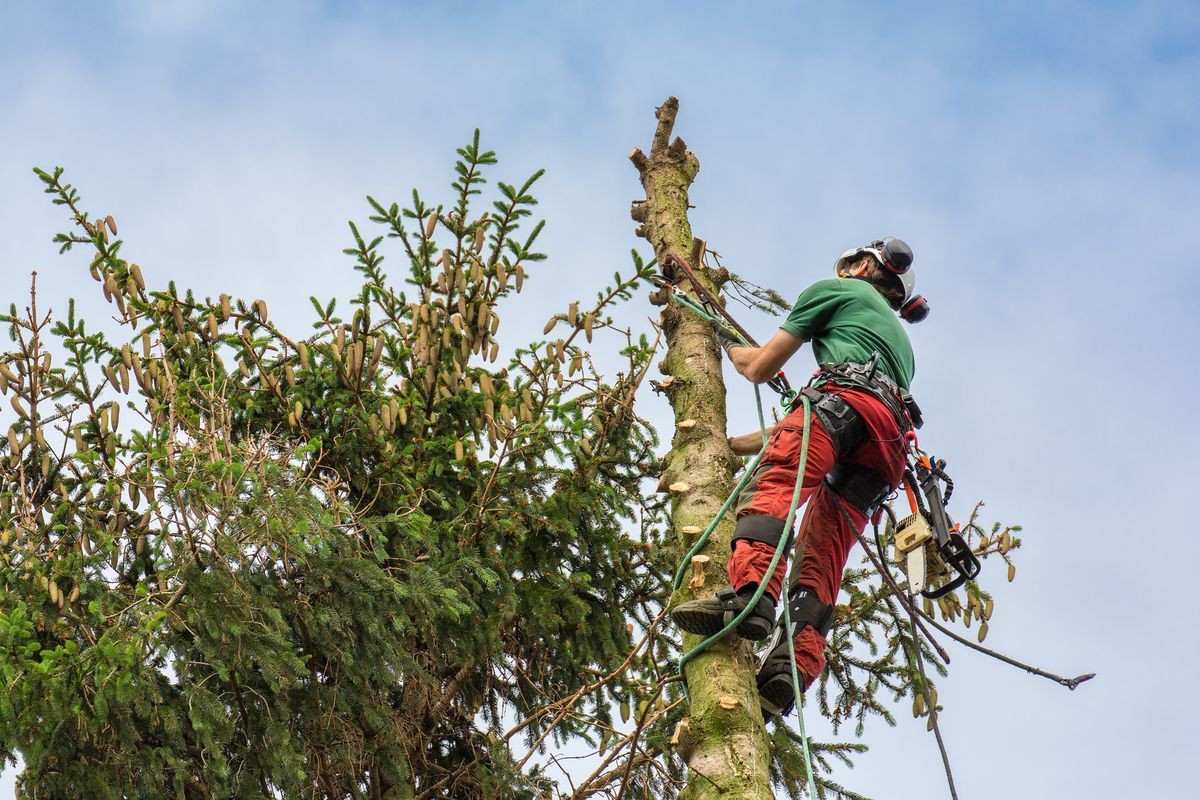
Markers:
point(861, 487)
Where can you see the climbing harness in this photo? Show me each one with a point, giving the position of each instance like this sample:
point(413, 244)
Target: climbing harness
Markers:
point(839, 419)
point(874, 380)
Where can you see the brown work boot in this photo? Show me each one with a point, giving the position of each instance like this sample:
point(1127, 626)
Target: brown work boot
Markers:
point(776, 690)
point(709, 615)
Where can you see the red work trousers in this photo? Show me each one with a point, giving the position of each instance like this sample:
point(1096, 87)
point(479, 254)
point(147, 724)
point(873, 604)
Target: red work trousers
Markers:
point(826, 534)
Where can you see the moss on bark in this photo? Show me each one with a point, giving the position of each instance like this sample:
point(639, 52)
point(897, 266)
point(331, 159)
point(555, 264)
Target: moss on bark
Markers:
point(726, 746)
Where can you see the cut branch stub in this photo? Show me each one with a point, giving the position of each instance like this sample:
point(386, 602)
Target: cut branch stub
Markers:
point(639, 160)
point(666, 123)
point(698, 564)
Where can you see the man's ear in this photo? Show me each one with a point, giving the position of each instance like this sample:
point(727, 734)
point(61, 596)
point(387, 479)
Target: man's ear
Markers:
point(851, 270)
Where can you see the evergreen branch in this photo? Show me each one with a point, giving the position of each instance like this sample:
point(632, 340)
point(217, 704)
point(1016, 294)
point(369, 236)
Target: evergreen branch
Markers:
point(599, 778)
point(1070, 683)
point(567, 703)
point(933, 711)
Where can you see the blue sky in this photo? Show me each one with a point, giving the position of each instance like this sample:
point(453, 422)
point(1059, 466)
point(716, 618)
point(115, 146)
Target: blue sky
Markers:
point(1041, 159)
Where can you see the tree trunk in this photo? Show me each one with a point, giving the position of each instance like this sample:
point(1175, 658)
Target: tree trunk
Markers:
point(723, 741)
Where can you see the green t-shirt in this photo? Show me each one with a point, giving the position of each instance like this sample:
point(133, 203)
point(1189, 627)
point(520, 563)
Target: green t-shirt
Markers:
point(847, 319)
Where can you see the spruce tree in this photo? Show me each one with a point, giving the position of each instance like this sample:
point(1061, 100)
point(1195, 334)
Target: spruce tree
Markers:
point(370, 559)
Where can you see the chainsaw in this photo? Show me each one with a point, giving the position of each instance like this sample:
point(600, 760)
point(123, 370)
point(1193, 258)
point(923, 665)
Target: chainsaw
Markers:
point(929, 545)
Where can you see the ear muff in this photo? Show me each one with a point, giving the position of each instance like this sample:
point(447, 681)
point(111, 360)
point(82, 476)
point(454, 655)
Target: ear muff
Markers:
point(896, 258)
point(895, 255)
point(915, 310)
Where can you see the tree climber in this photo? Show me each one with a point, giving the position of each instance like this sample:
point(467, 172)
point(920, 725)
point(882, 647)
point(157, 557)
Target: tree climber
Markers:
point(861, 411)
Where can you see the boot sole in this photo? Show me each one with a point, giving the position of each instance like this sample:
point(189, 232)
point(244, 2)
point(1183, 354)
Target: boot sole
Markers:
point(777, 695)
point(754, 628)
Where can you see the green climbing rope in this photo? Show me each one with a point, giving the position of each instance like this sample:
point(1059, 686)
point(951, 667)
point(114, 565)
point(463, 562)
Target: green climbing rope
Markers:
point(702, 540)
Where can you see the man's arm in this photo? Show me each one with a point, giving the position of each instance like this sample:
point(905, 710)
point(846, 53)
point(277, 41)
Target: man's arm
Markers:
point(748, 443)
point(760, 364)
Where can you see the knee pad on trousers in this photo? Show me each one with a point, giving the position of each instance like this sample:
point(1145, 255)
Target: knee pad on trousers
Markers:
point(760, 528)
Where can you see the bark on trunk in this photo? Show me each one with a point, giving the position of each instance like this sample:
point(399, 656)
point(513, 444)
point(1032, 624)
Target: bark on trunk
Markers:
point(724, 742)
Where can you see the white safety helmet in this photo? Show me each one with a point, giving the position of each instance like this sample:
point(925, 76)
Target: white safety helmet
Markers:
point(895, 256)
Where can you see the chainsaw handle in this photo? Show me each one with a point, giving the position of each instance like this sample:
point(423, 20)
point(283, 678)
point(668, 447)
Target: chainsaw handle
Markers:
point(959, 556)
